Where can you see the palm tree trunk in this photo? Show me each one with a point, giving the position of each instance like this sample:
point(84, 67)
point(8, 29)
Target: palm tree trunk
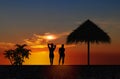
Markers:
point(10, 61)
point(88, 53)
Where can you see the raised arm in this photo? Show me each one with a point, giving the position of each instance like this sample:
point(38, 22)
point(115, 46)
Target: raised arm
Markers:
point(54, 46)
point(48, 45)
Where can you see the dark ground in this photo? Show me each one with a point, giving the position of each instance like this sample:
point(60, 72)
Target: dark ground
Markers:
point(59, 72)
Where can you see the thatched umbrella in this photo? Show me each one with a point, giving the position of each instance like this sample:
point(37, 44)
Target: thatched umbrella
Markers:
point(88, 32)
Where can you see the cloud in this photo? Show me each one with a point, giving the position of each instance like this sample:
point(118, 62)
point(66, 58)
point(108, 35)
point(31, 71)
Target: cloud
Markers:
point(41, 40)
point(36, 39)
point(6, 46)
point(62, 34)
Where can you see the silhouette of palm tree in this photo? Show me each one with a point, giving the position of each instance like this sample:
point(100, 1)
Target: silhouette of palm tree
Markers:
point(21, 54)
point(9, 54)
point(17, 55)
point(88, 32)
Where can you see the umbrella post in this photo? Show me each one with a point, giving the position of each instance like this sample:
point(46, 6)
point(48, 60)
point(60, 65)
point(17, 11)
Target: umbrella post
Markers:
point(88, 32)
point(88, 53)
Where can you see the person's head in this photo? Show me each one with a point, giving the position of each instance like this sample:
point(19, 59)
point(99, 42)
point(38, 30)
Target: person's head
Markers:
point(62, 45)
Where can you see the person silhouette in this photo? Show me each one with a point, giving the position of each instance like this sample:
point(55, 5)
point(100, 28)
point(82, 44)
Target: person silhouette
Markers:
point(61, 54)
point(51, 54)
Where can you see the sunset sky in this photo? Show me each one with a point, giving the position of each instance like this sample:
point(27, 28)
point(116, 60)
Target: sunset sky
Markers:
point(38, 22)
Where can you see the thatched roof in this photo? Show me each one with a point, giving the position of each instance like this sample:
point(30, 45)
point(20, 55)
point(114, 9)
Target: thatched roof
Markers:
point(88, 31)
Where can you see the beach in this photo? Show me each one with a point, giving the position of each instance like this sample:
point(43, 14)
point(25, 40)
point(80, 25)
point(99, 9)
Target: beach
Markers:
point(59, 72)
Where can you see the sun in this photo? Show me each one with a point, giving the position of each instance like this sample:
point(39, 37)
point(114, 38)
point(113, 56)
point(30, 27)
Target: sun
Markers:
point(50, 37)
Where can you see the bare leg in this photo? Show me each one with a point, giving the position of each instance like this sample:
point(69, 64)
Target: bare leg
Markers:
point(63, 60)
point(59, 60)
point(51, 61)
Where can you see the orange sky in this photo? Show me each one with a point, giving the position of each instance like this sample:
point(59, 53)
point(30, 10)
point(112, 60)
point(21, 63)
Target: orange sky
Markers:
point(101, 54)
point(32, 21)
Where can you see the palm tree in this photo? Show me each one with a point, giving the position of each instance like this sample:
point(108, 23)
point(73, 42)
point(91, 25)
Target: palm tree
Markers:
point(88, 32)
point(21, 54)
point(9, 54)
point(17, 55)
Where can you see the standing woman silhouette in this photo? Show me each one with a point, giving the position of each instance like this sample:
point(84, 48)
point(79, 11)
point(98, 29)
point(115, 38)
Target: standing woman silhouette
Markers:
point(61, 54)
point(51, 54)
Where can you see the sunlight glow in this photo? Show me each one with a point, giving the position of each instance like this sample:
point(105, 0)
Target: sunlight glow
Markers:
point(38, 58)
point(50, 37)
point(38, 46)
